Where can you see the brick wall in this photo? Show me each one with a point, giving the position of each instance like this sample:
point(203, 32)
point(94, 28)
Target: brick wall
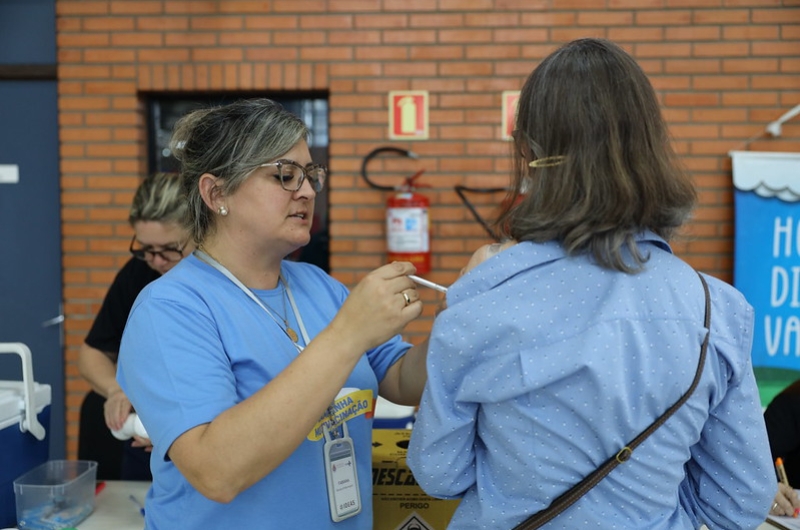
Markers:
point(723, 70)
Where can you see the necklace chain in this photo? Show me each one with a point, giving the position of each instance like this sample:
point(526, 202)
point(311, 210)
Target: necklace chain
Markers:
point(285, 317)
point(292, 334)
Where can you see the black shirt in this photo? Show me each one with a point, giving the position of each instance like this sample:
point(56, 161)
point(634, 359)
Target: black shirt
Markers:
point(782, 419)
point(106, 332)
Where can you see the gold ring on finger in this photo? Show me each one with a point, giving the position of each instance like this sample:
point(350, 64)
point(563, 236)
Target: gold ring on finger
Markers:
point(405, 296)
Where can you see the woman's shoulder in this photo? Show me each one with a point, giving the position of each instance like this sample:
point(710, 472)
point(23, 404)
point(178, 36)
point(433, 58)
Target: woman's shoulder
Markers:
point(726, 299)
point(189, 276)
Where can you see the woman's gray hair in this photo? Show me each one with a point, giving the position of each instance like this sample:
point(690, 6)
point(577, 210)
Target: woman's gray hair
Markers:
point(159, 198)
point(229, 142)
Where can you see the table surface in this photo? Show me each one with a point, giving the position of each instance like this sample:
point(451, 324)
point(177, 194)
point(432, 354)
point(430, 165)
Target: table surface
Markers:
point(114, 508)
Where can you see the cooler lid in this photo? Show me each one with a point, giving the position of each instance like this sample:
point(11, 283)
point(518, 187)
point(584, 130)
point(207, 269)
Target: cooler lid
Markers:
point(12, 400)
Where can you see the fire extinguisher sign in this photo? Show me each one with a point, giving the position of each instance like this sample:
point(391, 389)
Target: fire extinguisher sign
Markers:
point(408, 115)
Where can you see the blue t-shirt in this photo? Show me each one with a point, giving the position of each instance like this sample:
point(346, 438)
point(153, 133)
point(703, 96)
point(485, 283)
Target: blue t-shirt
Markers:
point(194, 346)
point(544, 365)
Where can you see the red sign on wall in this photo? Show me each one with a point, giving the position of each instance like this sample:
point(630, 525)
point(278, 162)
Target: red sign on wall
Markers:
point(408, 115)
point(510, 101)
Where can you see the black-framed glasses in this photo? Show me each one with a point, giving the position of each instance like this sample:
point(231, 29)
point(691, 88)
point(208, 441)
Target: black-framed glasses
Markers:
point(148, 254)
point(291, 175)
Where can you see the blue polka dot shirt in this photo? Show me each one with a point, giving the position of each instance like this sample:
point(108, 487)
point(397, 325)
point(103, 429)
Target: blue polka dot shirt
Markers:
point(544, 365)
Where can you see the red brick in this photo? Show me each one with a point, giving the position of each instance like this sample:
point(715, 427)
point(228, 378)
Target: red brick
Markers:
point(326, 53)
point(106, 24)
point(525, 36)
point(355, 5)
point(271, 53)
point(605, 18)
point(458, 5)
point(693, 33)
point(721, 16)
point(409, 36)
point(385, 21)
point(279, 22)
point(672, 17)
point(410, 5)
point(354, 37)
point(81, 7)
point(387, 53)
point(751, 32)
point(334, 22)
point(775, 49)
point(779, 16)
point(83, 40)
point(216, 23)
point(109, 56)
point(198, 38)
point(140, 7)
point(749, 99)
point(776, 82)
point(691, 99)
point(635, 34)
point(166, 24)
point(472, 36)
point(721, 82)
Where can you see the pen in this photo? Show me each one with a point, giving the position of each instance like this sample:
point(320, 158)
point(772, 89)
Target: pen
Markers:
point(428, 283)
point(137, 503)
point(781, 471)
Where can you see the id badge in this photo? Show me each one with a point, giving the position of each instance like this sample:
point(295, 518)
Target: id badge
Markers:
point(344, 496)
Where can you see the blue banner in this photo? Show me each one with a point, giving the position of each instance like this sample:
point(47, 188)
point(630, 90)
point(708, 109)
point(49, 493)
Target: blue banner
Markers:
point(767, 252)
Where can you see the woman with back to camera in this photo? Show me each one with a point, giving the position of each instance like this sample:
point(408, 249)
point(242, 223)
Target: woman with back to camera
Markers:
point(260, 374)
point(159, 242)
point(589, 329)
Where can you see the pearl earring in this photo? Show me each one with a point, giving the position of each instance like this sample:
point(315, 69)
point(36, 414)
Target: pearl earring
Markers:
point(223, 211)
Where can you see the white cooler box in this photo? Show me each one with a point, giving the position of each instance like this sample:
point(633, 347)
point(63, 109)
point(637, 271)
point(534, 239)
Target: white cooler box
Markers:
point(23, 441)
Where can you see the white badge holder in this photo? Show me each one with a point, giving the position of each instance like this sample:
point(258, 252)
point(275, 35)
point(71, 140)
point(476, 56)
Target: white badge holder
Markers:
point(341, 475)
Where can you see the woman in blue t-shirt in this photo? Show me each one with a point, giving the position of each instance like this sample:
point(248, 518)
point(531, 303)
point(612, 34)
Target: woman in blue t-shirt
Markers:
point(256, 376)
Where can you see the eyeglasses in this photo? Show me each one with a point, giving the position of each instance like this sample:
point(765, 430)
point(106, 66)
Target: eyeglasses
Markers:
point(148, 254)
point(291, 175)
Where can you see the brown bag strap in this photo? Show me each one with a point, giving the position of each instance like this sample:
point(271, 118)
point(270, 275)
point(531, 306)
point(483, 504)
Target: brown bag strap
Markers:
point(566, 499)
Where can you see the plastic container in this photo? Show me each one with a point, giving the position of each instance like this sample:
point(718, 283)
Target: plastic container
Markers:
point(55, 495)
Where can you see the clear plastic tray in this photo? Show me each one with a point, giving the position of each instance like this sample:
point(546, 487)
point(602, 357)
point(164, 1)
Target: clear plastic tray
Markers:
point(55, 495)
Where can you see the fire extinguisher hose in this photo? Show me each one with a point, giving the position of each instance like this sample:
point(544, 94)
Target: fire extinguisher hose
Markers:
point(375, 152)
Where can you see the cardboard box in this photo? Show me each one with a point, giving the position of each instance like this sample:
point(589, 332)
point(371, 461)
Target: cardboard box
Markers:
point(398, 502)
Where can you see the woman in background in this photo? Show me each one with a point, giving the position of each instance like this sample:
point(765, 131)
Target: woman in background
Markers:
point(559, 347)
point(159, 242)
point(782, 418)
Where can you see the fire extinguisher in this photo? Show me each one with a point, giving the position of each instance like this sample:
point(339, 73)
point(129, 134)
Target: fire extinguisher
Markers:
point(407, 220)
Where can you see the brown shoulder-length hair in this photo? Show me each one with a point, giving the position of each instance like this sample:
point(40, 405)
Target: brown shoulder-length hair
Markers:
point(606, 169)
